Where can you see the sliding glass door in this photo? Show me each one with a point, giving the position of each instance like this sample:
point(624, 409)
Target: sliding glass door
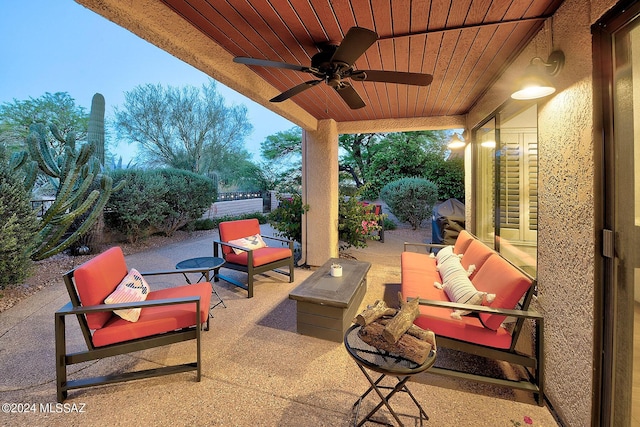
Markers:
point(506, 184)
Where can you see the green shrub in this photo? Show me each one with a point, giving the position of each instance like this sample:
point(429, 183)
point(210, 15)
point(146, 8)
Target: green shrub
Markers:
point(262, 218)
point(18, 227)
point(188, 196)
point(157, 201)
point(410, 199)
point(448, 175)
point(201, 224)
point(212, 223)
point(392, 161)
point(389, 224)
point(287, 217)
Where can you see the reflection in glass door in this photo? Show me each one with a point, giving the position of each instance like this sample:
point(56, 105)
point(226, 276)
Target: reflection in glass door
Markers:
point(485, 183)
point(506, 184)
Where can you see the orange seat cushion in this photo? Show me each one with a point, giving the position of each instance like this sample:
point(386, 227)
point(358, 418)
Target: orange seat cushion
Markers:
point(418, 276)
point(96, 279)
point(157, 320)
point(468, 328)
point(261, 256)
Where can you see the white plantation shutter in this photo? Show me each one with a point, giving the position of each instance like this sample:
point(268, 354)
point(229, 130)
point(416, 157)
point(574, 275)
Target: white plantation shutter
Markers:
point(518, 189)
point(510, 183)
point(532, 163)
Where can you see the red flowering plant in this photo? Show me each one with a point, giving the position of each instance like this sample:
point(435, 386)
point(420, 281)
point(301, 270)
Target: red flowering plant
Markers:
point(357, 222)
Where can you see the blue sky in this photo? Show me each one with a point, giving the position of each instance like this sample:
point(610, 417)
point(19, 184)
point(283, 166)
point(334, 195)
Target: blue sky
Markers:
point(60, 46)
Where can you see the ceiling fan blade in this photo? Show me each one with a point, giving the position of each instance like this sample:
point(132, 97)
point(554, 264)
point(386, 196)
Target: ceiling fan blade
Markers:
point(295, 90)
point(267, 63)
point(400, 77)
point(350, 96)
point(355, 43)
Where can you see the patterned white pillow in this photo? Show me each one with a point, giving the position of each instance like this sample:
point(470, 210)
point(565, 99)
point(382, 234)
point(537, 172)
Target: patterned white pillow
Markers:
point(445, 254)
point(458, 287)
point(251, 242)
point(132, 288)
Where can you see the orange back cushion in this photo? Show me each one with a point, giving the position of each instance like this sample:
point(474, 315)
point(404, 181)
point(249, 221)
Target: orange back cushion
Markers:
point(96, 279)
point(462, 242)
point(475, 254)
point(232, 230)
point(499, 277)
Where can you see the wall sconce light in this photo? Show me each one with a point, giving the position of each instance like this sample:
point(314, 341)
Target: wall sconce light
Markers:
point(455, 142)
point(534, 83)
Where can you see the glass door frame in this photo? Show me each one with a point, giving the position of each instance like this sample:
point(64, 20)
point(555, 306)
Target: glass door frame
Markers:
point(605, 314)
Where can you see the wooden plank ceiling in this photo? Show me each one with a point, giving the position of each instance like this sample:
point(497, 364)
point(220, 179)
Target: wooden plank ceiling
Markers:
point(464, 44)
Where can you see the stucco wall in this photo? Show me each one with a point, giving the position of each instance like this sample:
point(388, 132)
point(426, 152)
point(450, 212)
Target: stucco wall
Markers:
point(566, 241)
point(566, 235)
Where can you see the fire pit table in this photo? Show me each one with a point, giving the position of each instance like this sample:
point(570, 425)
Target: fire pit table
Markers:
point(326, 304)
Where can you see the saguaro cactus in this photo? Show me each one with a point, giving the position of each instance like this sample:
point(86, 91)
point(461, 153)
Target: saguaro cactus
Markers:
point(72, 174)
point(95, 131)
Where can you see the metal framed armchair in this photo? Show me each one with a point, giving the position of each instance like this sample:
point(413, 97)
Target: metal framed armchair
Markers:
point(167, 316)
point(251, 261)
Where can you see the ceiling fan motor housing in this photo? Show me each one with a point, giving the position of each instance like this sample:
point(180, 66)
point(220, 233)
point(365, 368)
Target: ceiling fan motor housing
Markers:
point(334, 63)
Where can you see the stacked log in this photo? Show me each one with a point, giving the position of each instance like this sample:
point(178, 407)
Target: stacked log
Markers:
point(392, 330)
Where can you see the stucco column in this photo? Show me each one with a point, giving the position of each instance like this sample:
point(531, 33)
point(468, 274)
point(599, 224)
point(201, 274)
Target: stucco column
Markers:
point(320, 193)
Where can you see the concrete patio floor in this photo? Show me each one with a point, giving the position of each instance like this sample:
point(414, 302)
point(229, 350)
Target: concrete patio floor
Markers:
point(257, 370)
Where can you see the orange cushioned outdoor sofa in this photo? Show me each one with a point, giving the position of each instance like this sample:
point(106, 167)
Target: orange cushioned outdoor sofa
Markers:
point(475, 301)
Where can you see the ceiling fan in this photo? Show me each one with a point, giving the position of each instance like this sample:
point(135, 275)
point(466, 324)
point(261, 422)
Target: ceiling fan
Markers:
point(334, 63)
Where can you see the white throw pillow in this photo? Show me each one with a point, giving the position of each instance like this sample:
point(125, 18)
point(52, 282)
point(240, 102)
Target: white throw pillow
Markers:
point(444, 254)
point(250, 242)
point(132, 288)
point(458, 287)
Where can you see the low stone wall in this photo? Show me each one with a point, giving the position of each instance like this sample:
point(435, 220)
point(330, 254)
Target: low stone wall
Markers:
point(233, 207)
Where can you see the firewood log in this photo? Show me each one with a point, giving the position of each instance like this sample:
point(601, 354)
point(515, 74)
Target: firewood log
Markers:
point(373, 313)
point(402, 320)
point(408, 347)
point(416, 331)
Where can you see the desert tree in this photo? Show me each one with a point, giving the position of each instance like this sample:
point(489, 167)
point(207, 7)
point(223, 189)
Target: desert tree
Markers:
point(58, 108)
point(186, 128)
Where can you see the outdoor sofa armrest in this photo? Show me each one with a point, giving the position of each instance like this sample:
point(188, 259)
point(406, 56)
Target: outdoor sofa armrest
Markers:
point(428, 246)
point(176, 271)
point(69, 309)
point(279, 239)
point(526, 314)
point(231, 245)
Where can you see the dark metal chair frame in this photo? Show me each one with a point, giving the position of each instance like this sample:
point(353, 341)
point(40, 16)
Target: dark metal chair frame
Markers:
point(250, 269)
point(74, 307)
point(533, 363)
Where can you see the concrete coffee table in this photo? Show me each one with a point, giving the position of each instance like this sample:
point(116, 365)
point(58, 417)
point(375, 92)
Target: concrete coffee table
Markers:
point(326, 305)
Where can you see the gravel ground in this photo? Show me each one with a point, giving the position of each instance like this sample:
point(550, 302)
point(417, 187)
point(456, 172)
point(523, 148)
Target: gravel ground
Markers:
point(49, 271)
